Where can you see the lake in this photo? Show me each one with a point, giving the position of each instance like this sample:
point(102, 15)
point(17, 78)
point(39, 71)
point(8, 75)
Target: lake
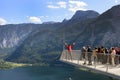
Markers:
point(49, 73)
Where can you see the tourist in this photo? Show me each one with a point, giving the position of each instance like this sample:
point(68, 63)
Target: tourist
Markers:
point(102, 56)
point(84, 54)
point(69, 48)
point(117, 58)
point(113, 53)
point(98, 55)
point(106, 56)
point(89, 54)
point(95, 54)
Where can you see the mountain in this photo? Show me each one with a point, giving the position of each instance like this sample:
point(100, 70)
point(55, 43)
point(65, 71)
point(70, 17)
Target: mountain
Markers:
point(50, 22)
point(105, 29)
point(12, 35)
point(113, 13)
point(37, 45)
point(83, 15)
point(45, 44)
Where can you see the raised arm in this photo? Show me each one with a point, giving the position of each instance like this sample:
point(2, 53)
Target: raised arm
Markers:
point(74, 43)
point(65, 44)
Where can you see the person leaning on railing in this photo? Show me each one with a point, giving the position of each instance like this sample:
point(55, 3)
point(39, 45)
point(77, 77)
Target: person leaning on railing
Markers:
point(113, 53)
point(89, 55)
point(106, 56)
point(95, 54)
point(117, 58)
point(102, 52)
point(98, 56)
point(84, 54)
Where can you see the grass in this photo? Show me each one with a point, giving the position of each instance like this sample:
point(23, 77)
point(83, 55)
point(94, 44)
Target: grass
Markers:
point(9, 65)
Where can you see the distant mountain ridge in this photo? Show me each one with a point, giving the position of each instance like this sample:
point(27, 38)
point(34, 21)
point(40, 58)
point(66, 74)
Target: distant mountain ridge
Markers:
point(44, 44)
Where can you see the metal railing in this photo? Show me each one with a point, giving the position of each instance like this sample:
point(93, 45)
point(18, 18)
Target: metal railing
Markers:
point(89, 59)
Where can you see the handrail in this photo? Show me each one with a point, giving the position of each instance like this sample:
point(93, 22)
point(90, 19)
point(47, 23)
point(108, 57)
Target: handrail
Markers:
point(102, 58)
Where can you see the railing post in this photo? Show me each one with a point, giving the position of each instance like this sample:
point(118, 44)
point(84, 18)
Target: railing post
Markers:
point(78, 59)
point(79, 56)
point(95, 61)
point(118, 60)
point(107, 63)
point(86, 55)
point(66, 55)
point(72, 56)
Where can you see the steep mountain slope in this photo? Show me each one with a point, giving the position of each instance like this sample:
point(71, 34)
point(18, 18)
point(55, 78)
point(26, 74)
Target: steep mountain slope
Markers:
point(105, 29)
point(83, 15)
point(45, 45)
point(13, 35)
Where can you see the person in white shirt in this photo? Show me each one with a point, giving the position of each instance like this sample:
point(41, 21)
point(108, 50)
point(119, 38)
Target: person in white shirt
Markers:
point(113, 53)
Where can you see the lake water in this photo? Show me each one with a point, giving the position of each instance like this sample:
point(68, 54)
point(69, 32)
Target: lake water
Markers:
point(49, 73)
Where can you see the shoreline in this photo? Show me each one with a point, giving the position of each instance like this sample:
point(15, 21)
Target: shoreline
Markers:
point(4, 65)
point(10, 65)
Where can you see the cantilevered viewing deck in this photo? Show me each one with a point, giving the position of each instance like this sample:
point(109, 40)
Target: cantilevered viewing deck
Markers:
point(106, 68)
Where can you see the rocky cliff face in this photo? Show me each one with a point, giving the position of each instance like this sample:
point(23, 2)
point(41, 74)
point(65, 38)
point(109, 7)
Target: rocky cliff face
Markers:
point(11, 36)
point(13, 41)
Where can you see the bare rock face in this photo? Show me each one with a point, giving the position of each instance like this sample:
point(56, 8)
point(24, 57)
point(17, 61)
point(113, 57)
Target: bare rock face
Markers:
point(12, 35)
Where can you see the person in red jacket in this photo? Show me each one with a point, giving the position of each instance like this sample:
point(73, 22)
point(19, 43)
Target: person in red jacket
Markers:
point(69, 48)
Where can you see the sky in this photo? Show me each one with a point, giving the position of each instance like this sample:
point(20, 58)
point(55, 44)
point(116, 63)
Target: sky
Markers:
point(39, 11)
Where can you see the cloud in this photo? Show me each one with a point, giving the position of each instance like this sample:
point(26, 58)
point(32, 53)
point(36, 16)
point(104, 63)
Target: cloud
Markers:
point(116, 1)
point(62, 4)
point(34, 19)
point(3, 21)
point(71, 5)
point(57, 5)
point(77, 5)
point(52, 6)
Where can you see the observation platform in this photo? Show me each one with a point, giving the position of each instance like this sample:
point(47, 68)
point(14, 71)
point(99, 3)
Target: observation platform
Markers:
point(105, 69)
